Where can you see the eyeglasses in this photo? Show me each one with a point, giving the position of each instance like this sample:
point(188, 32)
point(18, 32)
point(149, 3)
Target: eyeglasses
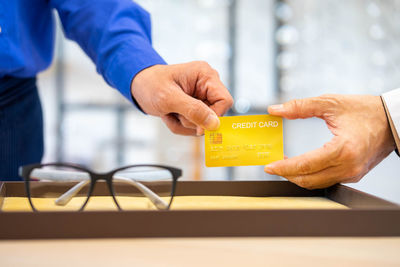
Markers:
point(72, 185)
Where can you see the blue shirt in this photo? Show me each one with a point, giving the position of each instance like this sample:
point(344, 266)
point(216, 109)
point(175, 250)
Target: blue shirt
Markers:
point(115, 34)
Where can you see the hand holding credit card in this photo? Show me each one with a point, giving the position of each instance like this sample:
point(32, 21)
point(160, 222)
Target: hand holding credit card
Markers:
point(245, 140)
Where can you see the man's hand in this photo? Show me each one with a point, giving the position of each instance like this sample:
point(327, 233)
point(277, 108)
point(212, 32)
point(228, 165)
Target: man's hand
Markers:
point(188, 97)
point(362, 139)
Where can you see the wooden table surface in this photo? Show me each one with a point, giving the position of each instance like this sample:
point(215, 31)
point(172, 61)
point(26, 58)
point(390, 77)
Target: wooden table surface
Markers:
point(262, 251)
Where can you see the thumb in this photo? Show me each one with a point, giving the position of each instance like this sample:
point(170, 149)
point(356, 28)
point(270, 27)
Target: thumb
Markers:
point(299, 108)
point(195, 111)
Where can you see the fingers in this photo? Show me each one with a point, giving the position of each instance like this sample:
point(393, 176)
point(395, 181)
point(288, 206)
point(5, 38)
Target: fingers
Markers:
point(192, 90)
point(333, 163)
point(175, 126)
point(325, 178)
point(212, 91)
point(302, 108)
point(207, 86)
point(320, 179)
point(307, 163)
point(218, 96)
point(194, 110)
point(222, 106)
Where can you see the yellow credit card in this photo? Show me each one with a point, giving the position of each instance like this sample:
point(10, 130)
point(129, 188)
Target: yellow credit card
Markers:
point(245, 140)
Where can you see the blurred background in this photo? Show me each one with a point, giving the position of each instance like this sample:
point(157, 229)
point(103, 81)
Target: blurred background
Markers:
point(266, 52)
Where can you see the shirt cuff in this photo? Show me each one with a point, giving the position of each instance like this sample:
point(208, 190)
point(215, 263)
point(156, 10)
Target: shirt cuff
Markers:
point(391, 102)
point(128, 61)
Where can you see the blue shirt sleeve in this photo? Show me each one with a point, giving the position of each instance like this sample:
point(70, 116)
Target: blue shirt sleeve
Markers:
point(115, 34)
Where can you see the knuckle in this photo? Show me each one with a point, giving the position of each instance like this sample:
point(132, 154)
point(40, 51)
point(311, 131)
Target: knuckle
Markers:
point(206, 70)
point(207, 77)
point(296, 106)
point(295, 103)
point(202, 65)
point(329, 100)
point(213, 72)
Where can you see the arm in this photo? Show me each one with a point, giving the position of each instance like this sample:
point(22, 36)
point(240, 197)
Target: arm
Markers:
point(115, 34)
point(362, 139)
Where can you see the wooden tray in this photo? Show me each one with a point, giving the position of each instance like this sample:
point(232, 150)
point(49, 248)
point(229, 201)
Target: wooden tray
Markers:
point(367, 215)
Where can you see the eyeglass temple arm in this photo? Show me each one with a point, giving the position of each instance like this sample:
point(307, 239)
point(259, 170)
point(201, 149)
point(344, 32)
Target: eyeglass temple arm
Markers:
point(154, 198)
point(59, 175)
point(65, 198)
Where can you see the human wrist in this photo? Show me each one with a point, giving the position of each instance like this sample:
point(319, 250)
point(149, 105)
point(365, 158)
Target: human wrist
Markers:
point(141, 84)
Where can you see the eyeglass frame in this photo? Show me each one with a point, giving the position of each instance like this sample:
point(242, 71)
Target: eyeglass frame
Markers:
point(26, 170)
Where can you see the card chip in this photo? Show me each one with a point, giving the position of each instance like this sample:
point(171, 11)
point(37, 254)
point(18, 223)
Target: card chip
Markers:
point(215, 138)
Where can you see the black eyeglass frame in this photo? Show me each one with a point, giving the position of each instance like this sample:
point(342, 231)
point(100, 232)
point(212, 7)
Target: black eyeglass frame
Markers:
point(26, 170)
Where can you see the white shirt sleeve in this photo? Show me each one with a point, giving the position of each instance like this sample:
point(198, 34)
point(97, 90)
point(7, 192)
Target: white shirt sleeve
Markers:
point(392, 105)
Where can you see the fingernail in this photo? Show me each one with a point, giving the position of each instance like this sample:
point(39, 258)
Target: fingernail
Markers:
point(212, 122)
point(276, 108)
point(269, 168)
